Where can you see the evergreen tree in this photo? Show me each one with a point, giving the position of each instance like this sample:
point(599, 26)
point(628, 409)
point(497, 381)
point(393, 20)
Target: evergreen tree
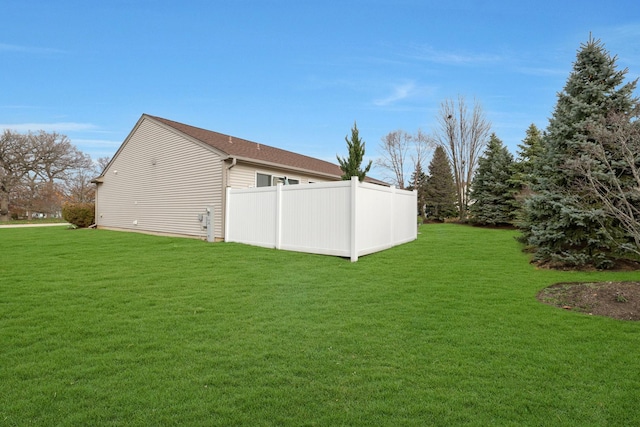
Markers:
point(562, 222)
point(418, 182)
point(524, 166)
point(440, 189)
point(492, 189)
point(351, 166)
point(528, 153)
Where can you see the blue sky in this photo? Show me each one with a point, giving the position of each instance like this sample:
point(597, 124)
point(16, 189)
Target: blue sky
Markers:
point(294, 74)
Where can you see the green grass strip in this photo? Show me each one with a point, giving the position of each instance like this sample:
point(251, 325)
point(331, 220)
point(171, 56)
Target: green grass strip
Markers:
point(109, 328)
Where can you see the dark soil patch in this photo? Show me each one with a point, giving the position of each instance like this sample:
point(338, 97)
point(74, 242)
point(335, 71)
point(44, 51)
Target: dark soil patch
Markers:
point(618, 300)
point(618, 265)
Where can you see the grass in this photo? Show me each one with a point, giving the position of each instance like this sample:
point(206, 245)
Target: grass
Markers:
point(34, 221)
point(108, 328)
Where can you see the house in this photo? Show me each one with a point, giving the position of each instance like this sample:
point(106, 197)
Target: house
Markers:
point(166, 174)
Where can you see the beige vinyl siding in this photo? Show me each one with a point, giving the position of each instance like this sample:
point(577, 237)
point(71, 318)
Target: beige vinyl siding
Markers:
point(159, 182)
point(244, 175)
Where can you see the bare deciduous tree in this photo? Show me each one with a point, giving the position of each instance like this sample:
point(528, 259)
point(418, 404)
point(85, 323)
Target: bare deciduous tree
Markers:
point(463, 134)
point(15, 164)
point(611, 171)
point(34, 167)
point(56, 157)
point(78, 186)
point(396, 147)
point(102, 163)
point(423, 144)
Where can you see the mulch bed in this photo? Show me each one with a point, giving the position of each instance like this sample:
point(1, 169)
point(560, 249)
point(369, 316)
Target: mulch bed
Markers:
point(619, 300)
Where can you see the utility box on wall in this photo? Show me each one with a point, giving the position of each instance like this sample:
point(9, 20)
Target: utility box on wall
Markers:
point(206, 222)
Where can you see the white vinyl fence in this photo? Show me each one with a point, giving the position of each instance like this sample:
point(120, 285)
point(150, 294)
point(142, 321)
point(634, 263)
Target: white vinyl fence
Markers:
point(343, 218)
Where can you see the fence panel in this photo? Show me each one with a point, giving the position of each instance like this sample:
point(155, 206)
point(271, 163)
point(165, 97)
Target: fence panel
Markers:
point(253, 213)
point(344, 218)
point(405, 228)
point(315, 218)
point(374, 218)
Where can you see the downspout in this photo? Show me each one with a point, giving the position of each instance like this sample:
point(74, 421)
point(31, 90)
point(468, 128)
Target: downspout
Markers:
point(96, 203)
point(233, 163)
point(225, 185)
point(229, 166)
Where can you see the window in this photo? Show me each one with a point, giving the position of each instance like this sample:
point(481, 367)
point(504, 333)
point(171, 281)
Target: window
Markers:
point(265, 180)
point(285, 181)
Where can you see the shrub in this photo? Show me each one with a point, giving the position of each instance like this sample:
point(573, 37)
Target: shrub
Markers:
point(79, 214)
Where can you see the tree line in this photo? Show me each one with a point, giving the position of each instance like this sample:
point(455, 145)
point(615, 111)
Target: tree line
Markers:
point(574, 189)
point(40, 171)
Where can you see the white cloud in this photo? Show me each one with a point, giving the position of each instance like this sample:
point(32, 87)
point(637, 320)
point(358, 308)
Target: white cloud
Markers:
point(541, 71)
point(49, 127)
point(98, 143)
point(626, 32)
point(402, 92)
point(77, 133)
point(17, 107)
point(4, 47)
point(621, 42)
point(427, 53)
point(11, 48)
point(97, 147)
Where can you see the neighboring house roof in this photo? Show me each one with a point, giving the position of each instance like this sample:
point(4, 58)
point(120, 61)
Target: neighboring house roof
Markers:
point(243, 149)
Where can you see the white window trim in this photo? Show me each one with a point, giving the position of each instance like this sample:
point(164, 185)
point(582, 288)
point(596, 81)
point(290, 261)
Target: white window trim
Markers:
point(273, 178)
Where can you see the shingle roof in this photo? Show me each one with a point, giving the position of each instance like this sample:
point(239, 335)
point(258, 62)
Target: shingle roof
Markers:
point(248, 150)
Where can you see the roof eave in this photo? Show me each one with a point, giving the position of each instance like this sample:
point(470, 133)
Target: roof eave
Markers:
point(274, 165)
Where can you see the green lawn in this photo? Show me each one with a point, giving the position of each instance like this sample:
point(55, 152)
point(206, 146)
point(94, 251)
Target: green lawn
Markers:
point(34, 221)
point(108, 328)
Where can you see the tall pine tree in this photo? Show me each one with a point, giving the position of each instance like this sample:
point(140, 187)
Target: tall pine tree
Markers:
point(418, 182)
point(492, 189)
point(440, 189)
point(524, 166)
point(528, 154)
point(351, 166)
point(562, 222)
